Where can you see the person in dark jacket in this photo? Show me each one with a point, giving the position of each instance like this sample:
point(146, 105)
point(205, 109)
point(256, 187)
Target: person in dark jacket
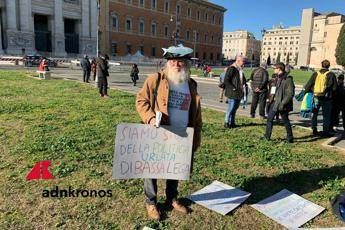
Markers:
point(339, 102)
point(103, 73)
point(234, 81)
point(282, 102)
point(272, 86)
point(134, 74)
point(325, 101)
point(86, 66)
point(259, 78)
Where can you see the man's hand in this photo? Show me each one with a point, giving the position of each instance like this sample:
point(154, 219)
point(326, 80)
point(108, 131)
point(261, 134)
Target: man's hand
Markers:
point(153, 122)
point(257, 90)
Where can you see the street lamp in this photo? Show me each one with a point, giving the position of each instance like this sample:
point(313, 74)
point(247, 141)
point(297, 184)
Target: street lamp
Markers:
point(97, 42)
point(175, 35)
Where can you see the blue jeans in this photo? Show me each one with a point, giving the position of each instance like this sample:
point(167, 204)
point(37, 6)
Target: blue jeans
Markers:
point(233, 105)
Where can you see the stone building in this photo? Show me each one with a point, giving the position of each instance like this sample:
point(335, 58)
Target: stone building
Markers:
point(319, 37)
point(308, 44)
point(50, 27)
point(241, 42)
point(129, 26)
point(280, 41)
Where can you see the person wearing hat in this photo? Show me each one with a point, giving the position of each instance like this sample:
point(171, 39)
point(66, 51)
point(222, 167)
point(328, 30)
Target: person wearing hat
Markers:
point(174, 94)
point(103, 73)
point(86, 66)
point(281, 101)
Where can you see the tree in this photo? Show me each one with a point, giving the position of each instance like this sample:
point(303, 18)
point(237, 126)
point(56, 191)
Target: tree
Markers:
point(288, 58)
point(278, 58)
point(340, 50)
point(268, 60)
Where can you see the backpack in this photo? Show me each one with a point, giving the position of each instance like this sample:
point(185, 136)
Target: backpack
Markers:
point(320, 84)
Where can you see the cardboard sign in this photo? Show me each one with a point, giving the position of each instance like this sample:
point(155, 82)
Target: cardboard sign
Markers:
point(219, 197)
point(144, 151)
point(288, 209)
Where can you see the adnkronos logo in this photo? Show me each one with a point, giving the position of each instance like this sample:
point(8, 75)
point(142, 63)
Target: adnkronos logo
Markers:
point(41, 171)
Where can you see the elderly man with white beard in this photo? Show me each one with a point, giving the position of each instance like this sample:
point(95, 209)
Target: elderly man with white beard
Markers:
point(174, 94)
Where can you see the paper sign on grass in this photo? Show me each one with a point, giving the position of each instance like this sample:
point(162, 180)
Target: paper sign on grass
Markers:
point(219, 197)
point(288, 209)
point(144, 151)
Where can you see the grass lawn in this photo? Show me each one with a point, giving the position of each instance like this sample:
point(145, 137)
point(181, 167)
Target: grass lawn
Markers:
point(66, 122)
point(300, 77)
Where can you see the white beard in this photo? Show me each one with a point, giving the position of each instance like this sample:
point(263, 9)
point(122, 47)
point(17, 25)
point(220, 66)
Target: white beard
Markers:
point(176, 78)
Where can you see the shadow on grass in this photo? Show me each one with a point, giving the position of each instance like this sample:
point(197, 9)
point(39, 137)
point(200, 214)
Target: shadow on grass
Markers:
point(299, 182)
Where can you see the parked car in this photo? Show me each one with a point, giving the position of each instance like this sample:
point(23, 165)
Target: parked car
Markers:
point(306, 68)
point(35, 60)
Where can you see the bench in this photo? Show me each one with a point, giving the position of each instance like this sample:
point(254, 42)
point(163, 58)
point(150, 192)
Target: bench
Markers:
point(43, 74)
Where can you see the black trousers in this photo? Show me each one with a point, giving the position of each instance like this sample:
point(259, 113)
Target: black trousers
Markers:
point(86, 76)
point(285, 118)
point(258, 98)
point(335, 115)
point(103, 86)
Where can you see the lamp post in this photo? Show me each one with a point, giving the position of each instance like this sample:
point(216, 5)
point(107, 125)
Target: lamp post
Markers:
point(97, 39)
point(175, 35)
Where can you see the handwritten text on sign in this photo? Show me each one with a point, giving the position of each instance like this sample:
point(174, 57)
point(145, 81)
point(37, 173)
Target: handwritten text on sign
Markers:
point(144, 151)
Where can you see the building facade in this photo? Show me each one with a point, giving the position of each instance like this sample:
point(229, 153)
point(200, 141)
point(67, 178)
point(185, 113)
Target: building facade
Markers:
point(129, 26)
point(307, 45)
point(50, 27)
point(319, 37)
point(281, 42)
point(241, 42)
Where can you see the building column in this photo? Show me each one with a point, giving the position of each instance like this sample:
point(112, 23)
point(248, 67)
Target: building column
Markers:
point(1, 50)
point(93, 26)
point(85, 27)
point(305, 37)
point(59, 30)
point(26, 25)
point(11, 15)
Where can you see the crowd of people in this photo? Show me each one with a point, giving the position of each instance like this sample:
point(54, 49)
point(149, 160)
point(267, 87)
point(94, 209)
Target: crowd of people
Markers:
point(275, 96)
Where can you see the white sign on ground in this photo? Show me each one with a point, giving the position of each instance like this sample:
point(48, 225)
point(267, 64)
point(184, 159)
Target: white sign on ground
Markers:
point(288, 209)
point(219, 197)
point(144, 151)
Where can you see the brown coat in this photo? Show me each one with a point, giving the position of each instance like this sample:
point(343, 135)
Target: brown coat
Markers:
point(147, 106)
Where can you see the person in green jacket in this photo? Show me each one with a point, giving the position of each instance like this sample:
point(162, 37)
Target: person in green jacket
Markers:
point(281, 101)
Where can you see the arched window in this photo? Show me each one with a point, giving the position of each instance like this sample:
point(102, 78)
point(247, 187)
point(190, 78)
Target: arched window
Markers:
point(114, 22)
point(154, 29)
point(128, 24)
point(141, 26)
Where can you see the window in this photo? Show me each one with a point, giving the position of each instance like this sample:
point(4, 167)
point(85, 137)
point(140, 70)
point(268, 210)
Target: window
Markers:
point(206, 17)
point(128, 25)
point(153, 4)
point(114, 48)
point(141, 27)
point(178, 9)
point(129, 49)
point(166, 31)
point(198, 15)
point(153, 51)
point(114, 22)
point(220, 20)
point(129, 1)
point(325, 34)
point(189, 13)
point(188, 35)
point(142, 3)
point(212, 38)
point(153, 29)
point(166, 6)
point(214, 19)
point(206, 35)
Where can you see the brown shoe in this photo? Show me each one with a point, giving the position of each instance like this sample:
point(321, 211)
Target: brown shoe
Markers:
point(178, 206)
point(153, 212)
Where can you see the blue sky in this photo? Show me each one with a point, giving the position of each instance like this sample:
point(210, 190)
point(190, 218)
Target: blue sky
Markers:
point(254, 15)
